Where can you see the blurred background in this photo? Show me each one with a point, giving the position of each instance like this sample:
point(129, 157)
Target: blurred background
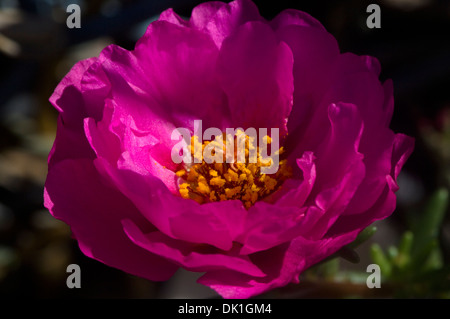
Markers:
point(37, 50)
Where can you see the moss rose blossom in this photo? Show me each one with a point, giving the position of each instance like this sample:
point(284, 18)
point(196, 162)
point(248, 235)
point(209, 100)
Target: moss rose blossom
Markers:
point(111, 177)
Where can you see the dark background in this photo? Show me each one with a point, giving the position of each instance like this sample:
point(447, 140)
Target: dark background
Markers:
point(37, 50)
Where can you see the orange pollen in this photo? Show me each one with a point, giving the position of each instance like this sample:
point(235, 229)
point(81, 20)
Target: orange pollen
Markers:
point(211, 181)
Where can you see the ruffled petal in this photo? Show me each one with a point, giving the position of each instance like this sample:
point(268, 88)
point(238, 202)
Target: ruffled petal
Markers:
point(255, 71)
point(170, 16)
point(403, 148)
point(76, 194)
point(174, 216)
point(77, 96)
point(356, 81)
point(130, 91)
point(189, 256)
point(297, 192)
point(377, 150)
point(69, 143)
point(204, 13)
point(101, 139)
point(268, 226)
point(67, 97)
point(226, 19)
point(283, 264)
point(179, 66)
point(130, 143)
point(341, 144)
point(331, 203)
point(335, 185)
point(295, 17)
point(385, 204)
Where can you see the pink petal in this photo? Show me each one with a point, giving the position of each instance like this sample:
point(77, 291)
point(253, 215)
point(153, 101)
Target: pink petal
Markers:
point(132, 144)
point(76, 194)
point(282, 265)
point(297, 193)
point(382, 208)
point(69, 144)
point(174, 216)
point(294, 17)
point(77, 97)
point(180, 74)
point(189, 256)
point(403, 147)
point(377, 150)
point(204, 13)
point(314, 51)
point(386, 202)
point(170, 16)
point(255, 71)
point(268, 226)
point(67, 96)
point(227, 18)
point(331, 203)
point(336, 184)
point(341, 144)
point(101, 139)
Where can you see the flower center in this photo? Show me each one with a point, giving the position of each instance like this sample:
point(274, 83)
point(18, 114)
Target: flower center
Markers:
point(224, 175)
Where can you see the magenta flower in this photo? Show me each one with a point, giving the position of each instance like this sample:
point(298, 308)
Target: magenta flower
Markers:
point(112, 179)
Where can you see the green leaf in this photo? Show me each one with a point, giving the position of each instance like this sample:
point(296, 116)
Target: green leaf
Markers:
point(363, 236)
point(380, 258)
point(328, 269)
point(420, 259)
point(348, 254)
point(434, 260)
point(392, 253)
point(404, 250)
point(428, 225)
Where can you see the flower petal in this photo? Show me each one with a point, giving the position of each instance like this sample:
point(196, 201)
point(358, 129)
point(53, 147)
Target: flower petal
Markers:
point(189, 256)
point(377, 150)
point(170, 16)
point(341, 144)
point(268, 226)
point(255, 71)
point(295, 17)
point(386, 202)
point(227, 18)
point(75, 100)
point(174, 216)
point(297, 193)
point(361, 88)
point(382, 208)
point(179, 67)
point(204, 13)
point(314, 51)
point(76, 194)
point(335, 185)
point(67, 97)
point(283, 264)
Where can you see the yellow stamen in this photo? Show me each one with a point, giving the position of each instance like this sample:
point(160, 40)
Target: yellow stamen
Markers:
point(210, 182)
point(180, 173)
